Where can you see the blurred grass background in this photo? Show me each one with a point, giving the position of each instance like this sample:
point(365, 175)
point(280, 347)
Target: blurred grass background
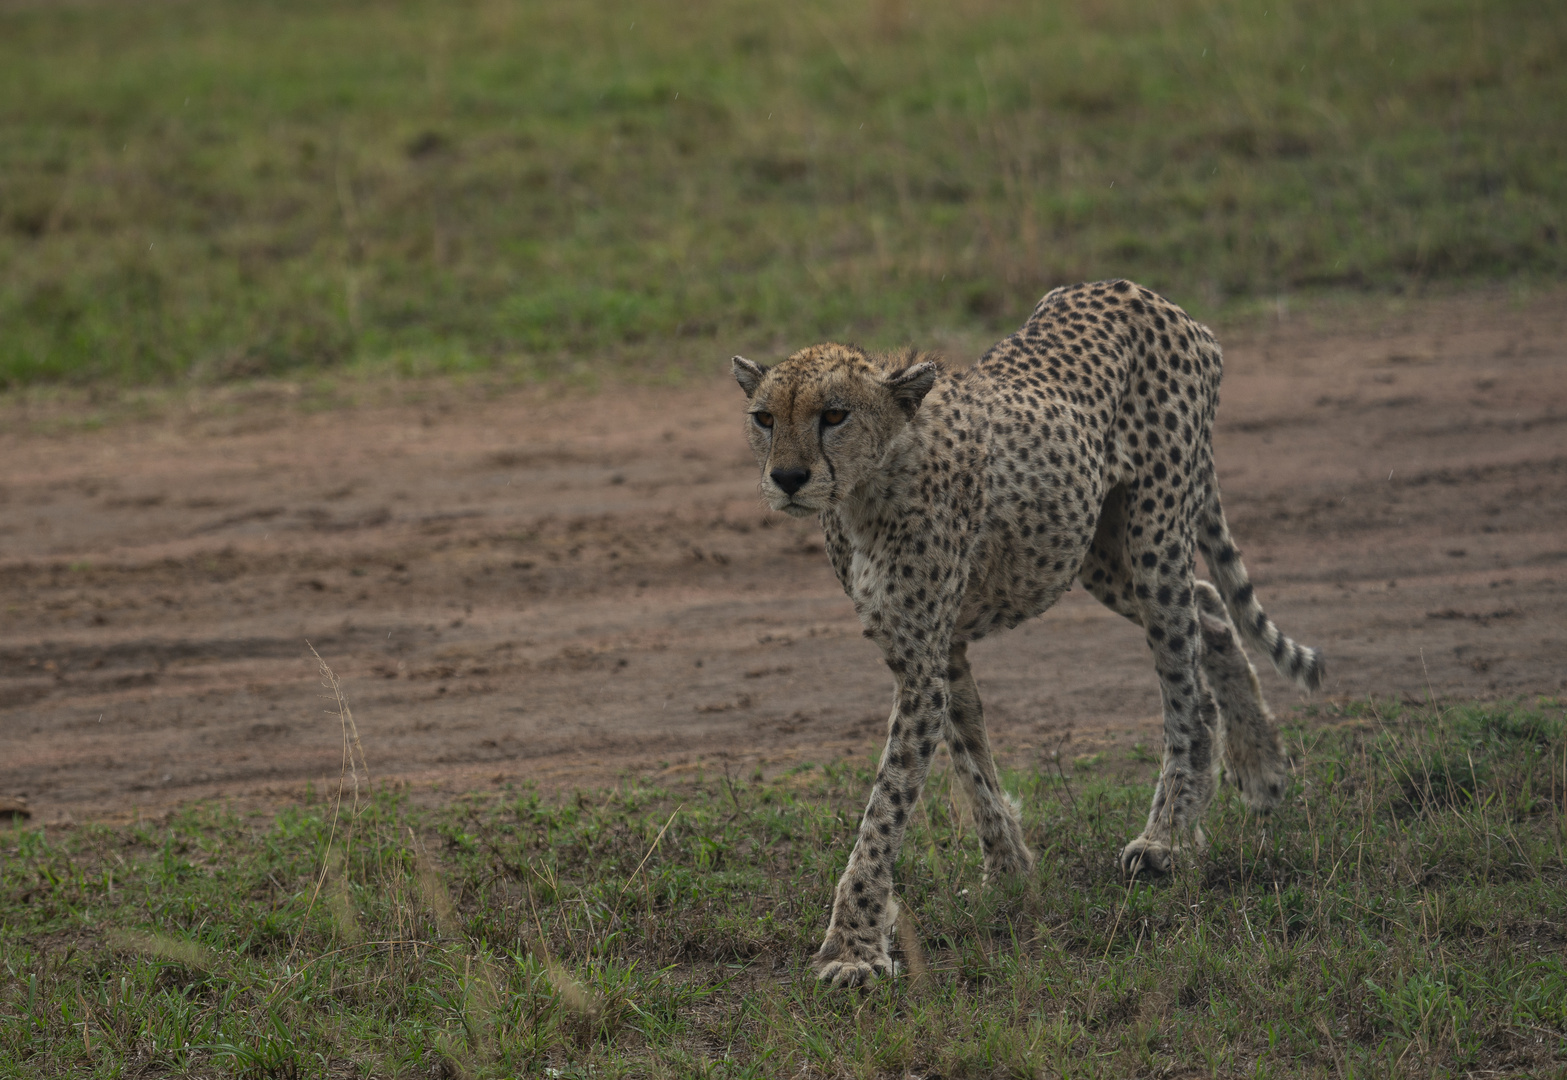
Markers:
point(221, 190)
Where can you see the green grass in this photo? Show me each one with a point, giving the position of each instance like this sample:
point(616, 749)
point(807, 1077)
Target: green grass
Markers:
point(1401, 915)
point(216, 190)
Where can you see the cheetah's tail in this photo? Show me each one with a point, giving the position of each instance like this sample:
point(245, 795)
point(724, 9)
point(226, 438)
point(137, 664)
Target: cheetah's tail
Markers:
point(1299, 663)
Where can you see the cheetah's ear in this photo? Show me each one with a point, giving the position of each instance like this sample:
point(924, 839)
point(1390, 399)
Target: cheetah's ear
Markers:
point(747, 374)
point(909, 385)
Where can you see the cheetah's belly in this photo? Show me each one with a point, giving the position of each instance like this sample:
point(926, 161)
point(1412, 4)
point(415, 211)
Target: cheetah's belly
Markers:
point(1004, 603)
point(1017, 579)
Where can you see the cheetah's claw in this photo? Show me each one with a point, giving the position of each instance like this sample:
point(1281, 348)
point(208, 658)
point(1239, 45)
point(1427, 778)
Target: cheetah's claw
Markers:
point(859, 967)
point(842, 974)
point(1144, 856)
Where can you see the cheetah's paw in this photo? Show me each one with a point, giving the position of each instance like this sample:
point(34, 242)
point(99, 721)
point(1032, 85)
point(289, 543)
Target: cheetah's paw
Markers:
point(845, 964)
point(1145, 856)
point(1261, 781)
point(1017, 862)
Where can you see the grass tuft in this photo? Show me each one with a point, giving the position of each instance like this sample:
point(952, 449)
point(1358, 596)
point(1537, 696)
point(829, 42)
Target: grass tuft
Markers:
point(191, 955)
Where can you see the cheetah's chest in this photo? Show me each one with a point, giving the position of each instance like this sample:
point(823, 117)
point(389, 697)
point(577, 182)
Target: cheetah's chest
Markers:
point(869, 557)
point(867, 587)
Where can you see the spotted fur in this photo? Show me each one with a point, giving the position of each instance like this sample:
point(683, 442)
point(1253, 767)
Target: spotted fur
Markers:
point(956, 503)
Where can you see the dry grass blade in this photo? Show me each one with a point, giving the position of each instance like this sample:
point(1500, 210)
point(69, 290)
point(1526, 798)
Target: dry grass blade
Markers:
point(353, 763)
point(353, 750)
point(651, 848)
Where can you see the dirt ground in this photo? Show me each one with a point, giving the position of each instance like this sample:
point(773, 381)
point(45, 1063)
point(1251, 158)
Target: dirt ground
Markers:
point(565, 588)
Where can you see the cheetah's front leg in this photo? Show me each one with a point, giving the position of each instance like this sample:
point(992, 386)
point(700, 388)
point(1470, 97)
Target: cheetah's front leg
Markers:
point(863, 909)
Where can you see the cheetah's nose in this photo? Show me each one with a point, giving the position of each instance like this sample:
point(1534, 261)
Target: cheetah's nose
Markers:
point(791, 480)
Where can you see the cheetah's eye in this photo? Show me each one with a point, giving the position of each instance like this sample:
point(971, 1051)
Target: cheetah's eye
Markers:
point(763, 419)
point(834, 417)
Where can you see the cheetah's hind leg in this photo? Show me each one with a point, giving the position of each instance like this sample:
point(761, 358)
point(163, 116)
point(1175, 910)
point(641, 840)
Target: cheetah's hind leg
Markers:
point(996, 813)
point(1251, 754)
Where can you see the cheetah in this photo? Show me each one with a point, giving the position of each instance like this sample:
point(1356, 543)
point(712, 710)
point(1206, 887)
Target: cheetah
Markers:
point(954, 503)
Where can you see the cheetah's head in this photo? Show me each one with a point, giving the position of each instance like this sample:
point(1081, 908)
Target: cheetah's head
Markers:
point(821, 422)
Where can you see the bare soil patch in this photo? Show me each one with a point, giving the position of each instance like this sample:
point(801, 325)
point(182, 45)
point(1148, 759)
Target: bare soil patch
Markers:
point(566, 588)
